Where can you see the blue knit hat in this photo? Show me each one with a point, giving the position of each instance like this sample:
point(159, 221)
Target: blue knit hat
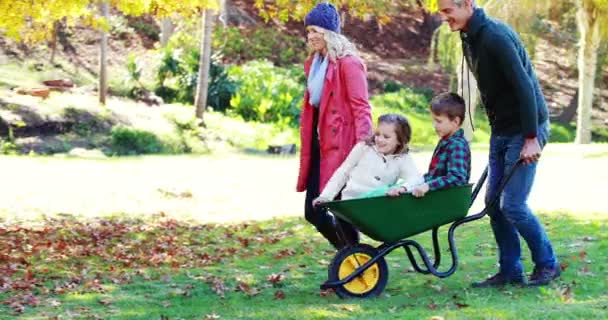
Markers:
point(324, 15)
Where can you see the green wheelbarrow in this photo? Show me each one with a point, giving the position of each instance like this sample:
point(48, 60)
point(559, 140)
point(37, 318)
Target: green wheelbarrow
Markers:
point(360, 271)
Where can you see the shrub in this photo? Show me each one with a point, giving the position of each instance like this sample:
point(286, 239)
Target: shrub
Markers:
point(240, 45)
point(267, 93)
point(127, 141)
point(178, 77)
point(562, 133)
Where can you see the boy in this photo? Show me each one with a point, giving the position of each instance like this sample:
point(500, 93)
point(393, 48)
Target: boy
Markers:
point(451, 162)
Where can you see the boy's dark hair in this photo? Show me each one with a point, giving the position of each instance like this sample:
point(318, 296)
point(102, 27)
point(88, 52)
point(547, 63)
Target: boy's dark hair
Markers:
point(403, 130)
point(450, 104)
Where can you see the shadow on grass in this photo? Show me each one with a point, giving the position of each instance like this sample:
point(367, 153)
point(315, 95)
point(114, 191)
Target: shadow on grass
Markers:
point(124, 268)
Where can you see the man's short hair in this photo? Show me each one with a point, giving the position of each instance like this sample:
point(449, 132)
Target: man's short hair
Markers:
point(461, 2)
point(450, 104)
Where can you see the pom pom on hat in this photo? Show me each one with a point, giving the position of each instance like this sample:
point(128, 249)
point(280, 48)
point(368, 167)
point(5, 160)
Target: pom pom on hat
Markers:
point(324, 15)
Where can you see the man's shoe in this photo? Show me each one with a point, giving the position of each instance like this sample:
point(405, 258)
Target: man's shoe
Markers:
point(499, 280)
point(542, 276)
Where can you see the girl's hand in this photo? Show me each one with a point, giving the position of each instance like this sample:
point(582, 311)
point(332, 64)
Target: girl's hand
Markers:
point(319, 201)
point(421, 190)
point(395, 192)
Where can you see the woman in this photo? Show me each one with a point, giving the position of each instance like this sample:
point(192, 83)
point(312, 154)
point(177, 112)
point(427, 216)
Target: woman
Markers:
point(335, 116)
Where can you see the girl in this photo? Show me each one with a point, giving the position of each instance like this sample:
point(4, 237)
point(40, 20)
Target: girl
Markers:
point(378, 162)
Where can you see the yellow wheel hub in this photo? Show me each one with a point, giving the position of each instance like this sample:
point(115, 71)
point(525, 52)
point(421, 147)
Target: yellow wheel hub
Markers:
point(366, 281)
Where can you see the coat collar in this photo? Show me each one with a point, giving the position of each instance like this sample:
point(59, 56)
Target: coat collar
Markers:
point(390, 156)
point(444, 140)
point(476, 23)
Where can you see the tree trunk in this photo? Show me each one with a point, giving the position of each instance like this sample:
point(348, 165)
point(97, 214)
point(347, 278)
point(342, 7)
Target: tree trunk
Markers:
point(167, 29)
point(56, 26)
point(589, 28)
point(467, 88)
point(203, 71)
point(104, 9)
point(569, 112)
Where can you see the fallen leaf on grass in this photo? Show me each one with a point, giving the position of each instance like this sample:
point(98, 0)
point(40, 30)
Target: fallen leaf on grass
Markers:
point(247, 289)
point(275, 279)
point(347, 308)
point(54, 303)
point(279, 295)
point(566, 294)
point(284, 253)
point(18, 309)
point(326, 293)
point(105, 302)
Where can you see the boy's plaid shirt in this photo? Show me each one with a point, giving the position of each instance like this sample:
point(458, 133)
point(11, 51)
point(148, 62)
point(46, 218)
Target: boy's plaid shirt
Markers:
point(451, 163)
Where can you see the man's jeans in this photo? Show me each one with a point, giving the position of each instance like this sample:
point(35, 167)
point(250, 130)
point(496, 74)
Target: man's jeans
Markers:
point(512, 214)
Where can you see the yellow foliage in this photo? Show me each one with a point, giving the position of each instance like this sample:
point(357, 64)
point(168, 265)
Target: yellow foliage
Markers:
point(32, 20)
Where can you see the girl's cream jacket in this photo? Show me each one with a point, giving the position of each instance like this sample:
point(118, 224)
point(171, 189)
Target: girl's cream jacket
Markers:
point(366, 169)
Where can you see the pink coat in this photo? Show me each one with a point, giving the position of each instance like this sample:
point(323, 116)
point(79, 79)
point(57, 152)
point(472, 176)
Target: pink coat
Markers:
point(344, 117)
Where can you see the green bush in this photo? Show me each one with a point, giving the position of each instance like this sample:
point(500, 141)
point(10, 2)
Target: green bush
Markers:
point(128, 141)
point(599, 134)
point(414, 104)
point(403, 100)
point(178, 77)
point(267, 93)
point(562, 133)
point(241, 45)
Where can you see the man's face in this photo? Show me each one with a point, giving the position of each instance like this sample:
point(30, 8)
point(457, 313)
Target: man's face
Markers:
point(457, 16)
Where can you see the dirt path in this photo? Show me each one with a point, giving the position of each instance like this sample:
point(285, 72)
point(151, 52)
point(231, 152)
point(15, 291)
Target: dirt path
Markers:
point(240, 187)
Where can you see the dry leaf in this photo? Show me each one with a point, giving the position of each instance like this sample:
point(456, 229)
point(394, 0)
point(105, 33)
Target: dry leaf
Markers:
point(279, 295)
point(328, 292)
point(275, 278)
point(347, 308)
point(105, 302)
point(567, 293)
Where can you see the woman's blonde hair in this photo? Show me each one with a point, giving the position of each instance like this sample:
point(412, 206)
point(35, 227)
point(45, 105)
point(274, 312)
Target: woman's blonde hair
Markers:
point(338, 46)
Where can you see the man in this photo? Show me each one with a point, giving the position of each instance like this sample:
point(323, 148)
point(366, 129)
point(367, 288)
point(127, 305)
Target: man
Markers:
point(518, 116)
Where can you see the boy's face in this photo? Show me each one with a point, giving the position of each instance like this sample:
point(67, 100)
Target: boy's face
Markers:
point(386, 138)
point(444, 126)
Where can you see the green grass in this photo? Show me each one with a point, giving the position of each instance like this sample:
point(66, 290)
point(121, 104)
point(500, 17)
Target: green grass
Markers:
point(249, 253)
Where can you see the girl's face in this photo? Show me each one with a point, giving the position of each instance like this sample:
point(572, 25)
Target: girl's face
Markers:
point(444, 126)
point(386, 138)
point(316, 39)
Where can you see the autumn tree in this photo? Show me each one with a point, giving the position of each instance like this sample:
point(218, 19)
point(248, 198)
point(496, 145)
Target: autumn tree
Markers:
point(592, 22)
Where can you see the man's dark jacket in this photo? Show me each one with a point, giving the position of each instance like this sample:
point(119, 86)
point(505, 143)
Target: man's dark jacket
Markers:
point(506, 79)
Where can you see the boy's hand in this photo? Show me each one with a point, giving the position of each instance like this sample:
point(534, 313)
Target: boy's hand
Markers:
point(396, 191)
point(421, 190)
point(319, 201)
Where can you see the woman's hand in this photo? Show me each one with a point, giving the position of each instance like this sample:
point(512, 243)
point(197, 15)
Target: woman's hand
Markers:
point(319, 201)
point(420, 190)
point(396, 191)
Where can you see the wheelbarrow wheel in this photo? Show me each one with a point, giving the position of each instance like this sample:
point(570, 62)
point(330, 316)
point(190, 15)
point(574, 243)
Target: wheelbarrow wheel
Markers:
point(370, 283)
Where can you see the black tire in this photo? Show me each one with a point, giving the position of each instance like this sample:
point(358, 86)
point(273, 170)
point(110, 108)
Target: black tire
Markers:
point(369, 284)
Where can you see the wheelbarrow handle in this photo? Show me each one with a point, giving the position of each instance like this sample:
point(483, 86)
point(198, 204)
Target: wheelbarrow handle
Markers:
point(496, 198)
